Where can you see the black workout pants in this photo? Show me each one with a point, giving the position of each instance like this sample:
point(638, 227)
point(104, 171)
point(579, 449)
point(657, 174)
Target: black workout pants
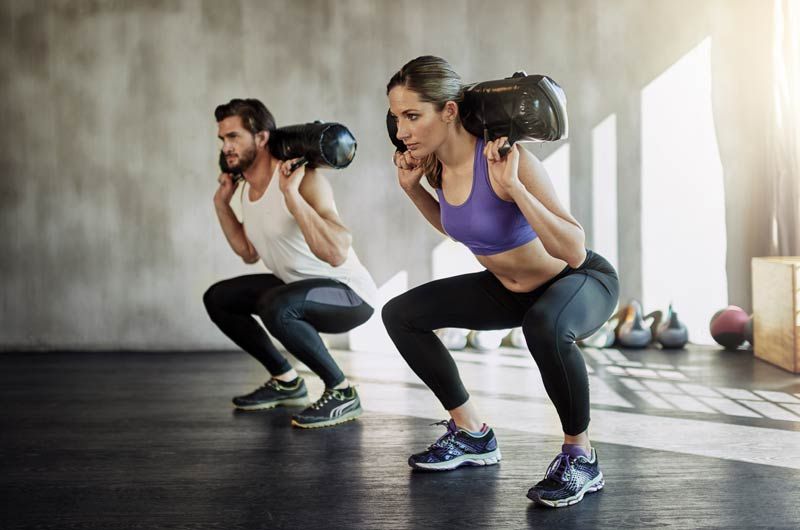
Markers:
point(293, 313)
point(569, 307)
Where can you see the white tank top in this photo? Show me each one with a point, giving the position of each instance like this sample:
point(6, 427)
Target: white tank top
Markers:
point(277, 237)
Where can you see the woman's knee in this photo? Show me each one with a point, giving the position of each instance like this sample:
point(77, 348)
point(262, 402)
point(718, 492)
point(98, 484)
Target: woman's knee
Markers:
point(394, 313)
point(544, 332)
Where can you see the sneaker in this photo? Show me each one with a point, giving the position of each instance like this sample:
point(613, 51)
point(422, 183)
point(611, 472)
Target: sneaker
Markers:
point(457, 448)
point(272, 394)
point(332, 408)
point(567, 480)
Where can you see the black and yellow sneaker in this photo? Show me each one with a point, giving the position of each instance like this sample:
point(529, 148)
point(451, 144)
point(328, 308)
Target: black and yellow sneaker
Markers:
point(274, 393)
point(334, 407)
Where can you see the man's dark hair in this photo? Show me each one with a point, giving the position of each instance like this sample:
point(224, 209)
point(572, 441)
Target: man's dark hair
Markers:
point(255, 116)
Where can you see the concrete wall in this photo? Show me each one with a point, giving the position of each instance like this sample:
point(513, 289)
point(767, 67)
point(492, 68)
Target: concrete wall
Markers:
point(108, 153)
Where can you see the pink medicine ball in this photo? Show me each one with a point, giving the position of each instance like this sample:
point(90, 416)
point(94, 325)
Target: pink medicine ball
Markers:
point(727, 326)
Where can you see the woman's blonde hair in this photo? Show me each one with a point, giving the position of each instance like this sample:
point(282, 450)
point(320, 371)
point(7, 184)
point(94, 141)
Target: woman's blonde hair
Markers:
point(434, 81)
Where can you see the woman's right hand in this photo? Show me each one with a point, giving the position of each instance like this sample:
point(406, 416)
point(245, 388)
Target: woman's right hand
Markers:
point(225, 191)
point(409, 170)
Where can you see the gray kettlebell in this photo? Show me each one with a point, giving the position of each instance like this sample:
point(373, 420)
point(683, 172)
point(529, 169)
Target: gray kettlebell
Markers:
point(633, 333)
point(672, 333)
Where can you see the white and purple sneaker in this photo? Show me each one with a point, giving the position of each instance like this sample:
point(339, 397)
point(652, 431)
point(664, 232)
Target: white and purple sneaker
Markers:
point(456, 448)
point(567, 480)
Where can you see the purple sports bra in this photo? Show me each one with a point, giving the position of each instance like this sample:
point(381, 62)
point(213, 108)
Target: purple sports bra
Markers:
point(485, 223)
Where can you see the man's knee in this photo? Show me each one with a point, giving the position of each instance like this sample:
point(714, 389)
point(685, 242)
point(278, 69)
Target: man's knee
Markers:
point(275, 312)
point(211, 299)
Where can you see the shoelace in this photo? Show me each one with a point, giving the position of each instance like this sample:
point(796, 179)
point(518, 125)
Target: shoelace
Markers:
point(445, 440)
point(272, 383)
point(326, 396)
point(560, 468)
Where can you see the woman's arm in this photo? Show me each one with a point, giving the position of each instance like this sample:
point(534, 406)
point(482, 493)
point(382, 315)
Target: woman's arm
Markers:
point(524, 178)
point(409, 175)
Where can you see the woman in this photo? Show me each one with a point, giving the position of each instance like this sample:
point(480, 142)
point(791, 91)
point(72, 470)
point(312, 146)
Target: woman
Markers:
point(538, 275)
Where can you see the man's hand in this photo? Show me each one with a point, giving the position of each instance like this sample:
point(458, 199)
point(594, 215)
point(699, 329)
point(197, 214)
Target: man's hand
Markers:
point(225, 191)
point(291, 179)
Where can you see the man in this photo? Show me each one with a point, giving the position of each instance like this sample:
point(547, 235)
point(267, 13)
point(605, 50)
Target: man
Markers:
point(317, 283)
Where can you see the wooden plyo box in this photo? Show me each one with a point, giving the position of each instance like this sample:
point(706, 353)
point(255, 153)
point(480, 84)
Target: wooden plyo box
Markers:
point(776, 309)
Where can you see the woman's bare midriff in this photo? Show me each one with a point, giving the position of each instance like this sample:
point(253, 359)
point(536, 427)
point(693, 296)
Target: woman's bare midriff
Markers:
point(524, 268)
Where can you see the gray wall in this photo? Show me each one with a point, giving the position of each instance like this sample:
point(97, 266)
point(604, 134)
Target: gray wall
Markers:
point(108, 233)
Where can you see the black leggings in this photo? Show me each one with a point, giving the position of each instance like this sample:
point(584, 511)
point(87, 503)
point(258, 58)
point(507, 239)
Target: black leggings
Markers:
point(569, 307)
point(293, 313)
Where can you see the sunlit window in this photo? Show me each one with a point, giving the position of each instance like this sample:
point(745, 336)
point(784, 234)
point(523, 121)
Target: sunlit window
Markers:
point(683, 208)
point(604, 189)
point(557, 166)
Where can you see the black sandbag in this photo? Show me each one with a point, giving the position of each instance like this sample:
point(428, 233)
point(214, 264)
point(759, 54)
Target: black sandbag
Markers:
point(525, 108)
point(320, 144)
point(391, 127)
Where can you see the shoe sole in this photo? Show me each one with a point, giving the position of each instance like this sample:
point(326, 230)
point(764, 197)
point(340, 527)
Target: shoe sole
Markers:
point(293, 402)
point(591, 487)
point(485, 459)
point(328, 423)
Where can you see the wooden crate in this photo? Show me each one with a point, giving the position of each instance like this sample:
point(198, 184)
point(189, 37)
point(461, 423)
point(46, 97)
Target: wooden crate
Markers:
point(776, 306)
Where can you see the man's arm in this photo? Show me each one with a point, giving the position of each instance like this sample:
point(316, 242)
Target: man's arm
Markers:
point(312, 205)
point(231, 227)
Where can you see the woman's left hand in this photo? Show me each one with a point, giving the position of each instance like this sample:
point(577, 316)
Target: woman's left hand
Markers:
point(290, 180)
point(504, 171)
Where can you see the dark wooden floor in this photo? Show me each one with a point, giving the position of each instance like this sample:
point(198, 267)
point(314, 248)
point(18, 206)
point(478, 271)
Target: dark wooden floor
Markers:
point(138, 440)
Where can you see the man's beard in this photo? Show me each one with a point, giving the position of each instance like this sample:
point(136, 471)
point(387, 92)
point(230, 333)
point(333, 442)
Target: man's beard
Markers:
point(244, 161)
